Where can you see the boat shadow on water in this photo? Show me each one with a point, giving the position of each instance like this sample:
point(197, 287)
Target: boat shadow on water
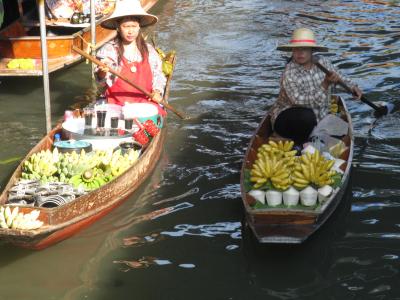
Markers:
point(278, 269)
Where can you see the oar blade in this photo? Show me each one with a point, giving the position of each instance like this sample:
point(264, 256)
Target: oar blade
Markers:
point(380, 112)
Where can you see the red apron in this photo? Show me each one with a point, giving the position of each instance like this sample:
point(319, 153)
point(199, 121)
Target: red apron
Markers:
point(121, 92)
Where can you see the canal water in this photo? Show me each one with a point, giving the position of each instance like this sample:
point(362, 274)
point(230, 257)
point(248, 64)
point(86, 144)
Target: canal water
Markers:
point(180, 236)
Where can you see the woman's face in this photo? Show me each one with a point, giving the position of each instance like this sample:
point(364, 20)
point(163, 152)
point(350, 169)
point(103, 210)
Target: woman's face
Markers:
point(128, 30)
point(302, 56)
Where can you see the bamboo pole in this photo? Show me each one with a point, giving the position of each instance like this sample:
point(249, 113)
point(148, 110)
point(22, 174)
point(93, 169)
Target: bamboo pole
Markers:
point(93, 33)
point(45, 67)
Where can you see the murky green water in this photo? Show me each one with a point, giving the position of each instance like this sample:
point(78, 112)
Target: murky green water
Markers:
point(195, 248)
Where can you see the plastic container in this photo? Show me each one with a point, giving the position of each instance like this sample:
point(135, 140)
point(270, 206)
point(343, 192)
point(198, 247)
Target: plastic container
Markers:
point(125, 146)
point(68, 115)
point(57, 137)
point(72, 145)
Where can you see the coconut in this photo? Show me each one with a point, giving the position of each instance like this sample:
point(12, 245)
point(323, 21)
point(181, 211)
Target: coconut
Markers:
point(309, 196)
point(324, 193)
point(274, 198)
point(258, 195)
point(291, 196)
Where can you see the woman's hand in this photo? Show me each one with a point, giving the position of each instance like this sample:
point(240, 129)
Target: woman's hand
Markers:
point(331, 78)
point(357, 93)
point(103, 70)
point(156, 96)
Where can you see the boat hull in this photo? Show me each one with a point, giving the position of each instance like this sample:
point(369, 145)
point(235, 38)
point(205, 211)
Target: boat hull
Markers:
point(290, 226)
point(64, 221)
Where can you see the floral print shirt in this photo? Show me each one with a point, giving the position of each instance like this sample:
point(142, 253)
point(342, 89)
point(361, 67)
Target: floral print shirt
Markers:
point(109, 53)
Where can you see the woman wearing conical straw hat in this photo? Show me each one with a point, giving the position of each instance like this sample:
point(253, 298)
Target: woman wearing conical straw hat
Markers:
point(131, 56)
point(304, 95)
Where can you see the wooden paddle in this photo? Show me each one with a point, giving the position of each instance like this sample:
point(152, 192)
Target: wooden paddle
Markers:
point(379, 110)
point(112, 71)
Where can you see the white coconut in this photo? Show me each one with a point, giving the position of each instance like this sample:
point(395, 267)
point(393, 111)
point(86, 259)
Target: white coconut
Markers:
point(259, 195)
point(309, 196)
point(274, 198)
point(291, 196)
point(324, 193)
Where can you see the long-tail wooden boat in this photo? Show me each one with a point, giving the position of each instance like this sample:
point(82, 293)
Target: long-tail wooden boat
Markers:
point(295, 224)
point(21, 40)
point(63, 221)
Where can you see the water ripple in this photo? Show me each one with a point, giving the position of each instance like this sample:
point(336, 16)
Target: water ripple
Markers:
point(210, 230)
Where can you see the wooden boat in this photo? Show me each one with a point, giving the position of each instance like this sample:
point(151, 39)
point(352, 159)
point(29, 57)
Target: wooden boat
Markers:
point(291, 225)
point(21, 39)
point(63, 221)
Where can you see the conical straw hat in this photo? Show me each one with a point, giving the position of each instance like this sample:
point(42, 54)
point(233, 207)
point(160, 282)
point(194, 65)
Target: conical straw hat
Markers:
point(302, 38)
point(129, 8)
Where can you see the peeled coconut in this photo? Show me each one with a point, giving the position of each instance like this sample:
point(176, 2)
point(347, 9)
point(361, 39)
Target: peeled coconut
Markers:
point(309, 196)
point(324, 193)
point(291, 196)
point(274, 198)
point(259, 195)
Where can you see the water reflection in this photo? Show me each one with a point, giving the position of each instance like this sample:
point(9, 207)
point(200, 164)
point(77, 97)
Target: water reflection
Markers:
point(211, 230)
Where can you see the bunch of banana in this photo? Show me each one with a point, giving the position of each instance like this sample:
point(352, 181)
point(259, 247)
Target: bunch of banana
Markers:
point(118, 163)
point(21, 63)
point(167, 60)
point(279, 150)
point(89, 180)
point(313, 169)
point(132, 156)
point(18, 220)
point(266, 169)
point(41, 165)
point(334, 108)
point(71, 164)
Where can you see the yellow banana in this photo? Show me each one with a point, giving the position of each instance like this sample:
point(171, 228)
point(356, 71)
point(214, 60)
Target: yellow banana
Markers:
point(280, 145)
point(273, 143)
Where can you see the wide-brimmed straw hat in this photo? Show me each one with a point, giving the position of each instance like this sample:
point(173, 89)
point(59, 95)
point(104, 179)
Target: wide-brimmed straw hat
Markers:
point(129, 8)
point(302, 38)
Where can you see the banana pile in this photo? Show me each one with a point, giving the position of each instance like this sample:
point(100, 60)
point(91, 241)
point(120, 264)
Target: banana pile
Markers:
point(89, 170)
point(313, 169)
point(18, 220)
point(167, 60)
point(273, 165)
point(119, 163)
point(89, 180)
point(21, 63)
point(71, 164)
point(277, 166)
point(334, 107)
point(41, 166)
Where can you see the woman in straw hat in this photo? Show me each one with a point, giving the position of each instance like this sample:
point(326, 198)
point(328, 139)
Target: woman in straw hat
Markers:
point(129, 54)
point(304, 98)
